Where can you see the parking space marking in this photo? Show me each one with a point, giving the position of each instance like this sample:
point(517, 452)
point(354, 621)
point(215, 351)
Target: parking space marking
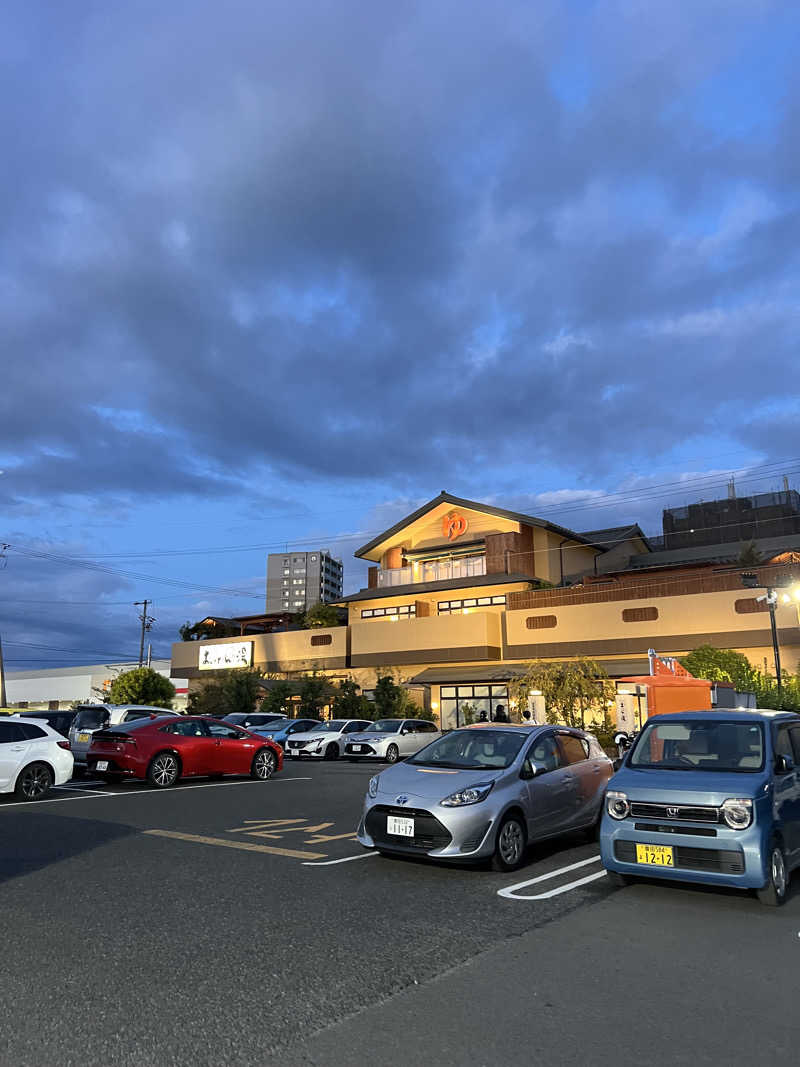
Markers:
point(245, 846)
point(510, 892)
point(83, 789)
point(347, 859)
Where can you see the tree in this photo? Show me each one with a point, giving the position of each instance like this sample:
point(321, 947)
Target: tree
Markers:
point(277, 698)
point(314, 695)
point(571, 689)
point(233, 691)
point(723, 665)
point(321, 615)
point(142, 686)
point(749, 556)
point(205, 628)
point(385, 696)
point(348, 703)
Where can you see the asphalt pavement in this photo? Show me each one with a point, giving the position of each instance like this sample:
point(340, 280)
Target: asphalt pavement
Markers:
point(239, 922)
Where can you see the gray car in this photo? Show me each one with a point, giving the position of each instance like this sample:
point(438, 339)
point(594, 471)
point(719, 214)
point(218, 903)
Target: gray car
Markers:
point(487, 792)
point(391, 739)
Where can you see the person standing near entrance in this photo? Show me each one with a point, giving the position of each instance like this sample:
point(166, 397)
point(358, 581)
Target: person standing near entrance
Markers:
point(500, 714)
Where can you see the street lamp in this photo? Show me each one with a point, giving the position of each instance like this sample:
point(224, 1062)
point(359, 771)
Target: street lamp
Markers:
point(750, 581)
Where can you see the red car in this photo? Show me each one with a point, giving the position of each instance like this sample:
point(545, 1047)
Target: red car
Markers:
point(164, 748)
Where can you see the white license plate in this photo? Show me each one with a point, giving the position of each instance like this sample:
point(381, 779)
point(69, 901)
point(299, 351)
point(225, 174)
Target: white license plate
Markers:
point(83, 737)
point(101, 765)
point(356, 748)
point(399, 827)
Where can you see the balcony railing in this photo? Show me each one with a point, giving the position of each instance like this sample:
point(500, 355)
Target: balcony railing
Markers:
point(434, 571)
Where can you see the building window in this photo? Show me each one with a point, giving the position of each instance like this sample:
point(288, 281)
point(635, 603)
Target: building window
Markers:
point(298, 581)
point(321, 639)
point(404, 611)
point(541, 622)
point(465, 704)
point(455, 607)
point(639, 614)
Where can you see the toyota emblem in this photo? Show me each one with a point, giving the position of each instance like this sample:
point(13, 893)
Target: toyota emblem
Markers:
point(401, 800)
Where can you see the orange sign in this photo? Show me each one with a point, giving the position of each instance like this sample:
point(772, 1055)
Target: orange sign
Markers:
point(454, 525)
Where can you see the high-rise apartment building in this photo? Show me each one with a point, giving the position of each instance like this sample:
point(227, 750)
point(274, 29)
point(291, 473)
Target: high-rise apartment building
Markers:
point(298, 580)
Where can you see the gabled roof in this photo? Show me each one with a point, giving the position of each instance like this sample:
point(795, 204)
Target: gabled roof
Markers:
point(474, 505)
point(612, 536)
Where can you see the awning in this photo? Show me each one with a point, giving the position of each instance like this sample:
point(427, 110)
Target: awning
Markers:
point(505, 672)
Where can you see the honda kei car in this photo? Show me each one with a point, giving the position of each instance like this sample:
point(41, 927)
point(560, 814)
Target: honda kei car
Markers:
point(710, 797)
point(486, 793)
point(166, 748)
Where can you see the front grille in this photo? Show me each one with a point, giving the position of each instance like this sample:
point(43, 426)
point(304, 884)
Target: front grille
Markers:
point(671, 828)
point(689, 813)
point(298, 744)
point(363, 750)
point(429, 833)
point(714, 860)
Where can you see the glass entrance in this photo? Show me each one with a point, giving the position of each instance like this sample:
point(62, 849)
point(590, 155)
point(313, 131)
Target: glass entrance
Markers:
point(462, 705)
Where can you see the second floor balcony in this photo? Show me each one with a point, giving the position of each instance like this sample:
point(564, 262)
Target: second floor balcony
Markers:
point(438, 570)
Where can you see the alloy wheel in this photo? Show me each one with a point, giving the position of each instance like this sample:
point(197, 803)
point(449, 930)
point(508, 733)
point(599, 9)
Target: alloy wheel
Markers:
point(165, 770)
point(264, 764)
point(35, 782)
point(778, 867)
point(511, 843)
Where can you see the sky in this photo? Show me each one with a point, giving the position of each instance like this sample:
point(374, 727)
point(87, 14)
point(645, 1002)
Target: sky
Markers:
point(277, 274)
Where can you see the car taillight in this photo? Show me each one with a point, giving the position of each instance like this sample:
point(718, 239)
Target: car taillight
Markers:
point(64, 744)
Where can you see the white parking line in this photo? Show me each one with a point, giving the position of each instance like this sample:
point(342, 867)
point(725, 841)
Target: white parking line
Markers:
point(510, 892)
point(347, 859)
point(93, 795)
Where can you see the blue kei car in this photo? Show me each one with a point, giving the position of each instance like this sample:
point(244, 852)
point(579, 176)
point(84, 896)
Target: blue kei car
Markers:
point(708, 796)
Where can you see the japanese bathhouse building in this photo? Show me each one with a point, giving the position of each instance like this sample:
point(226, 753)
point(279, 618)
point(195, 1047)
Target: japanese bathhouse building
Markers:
point(461, 596)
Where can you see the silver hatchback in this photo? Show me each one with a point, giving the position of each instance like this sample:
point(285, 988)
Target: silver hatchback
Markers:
point(487, 792)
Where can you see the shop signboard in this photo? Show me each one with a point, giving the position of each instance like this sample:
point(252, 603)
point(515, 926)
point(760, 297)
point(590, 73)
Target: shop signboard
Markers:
point(225, 656)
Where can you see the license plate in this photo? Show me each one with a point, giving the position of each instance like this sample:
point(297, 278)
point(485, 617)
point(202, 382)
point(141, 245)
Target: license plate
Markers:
point(101, 765)
point(655, 855)
point(399, 827)
point(356, 748)
point(83, 737)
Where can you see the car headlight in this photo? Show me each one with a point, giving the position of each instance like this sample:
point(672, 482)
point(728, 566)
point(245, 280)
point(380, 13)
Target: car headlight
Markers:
point(617, 804)
point(738, 812)
point(372, 788)
point(473, 794)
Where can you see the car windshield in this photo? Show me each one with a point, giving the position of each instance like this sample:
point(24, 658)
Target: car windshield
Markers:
point(468, 750)
point(695, 745)
point(385, 726)
point(237, 718)
point(332, 727)
point(269, 727)
point(263, 720)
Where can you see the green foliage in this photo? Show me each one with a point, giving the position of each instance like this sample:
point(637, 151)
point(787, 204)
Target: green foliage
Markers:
point(749, 556)
point(206, 628)
point(314, 695)
point(468, 714)
point(142, 686)
point(348, 703)
point(321, 615)
point(233, 691)
point(393, 701)
point(277, 699)
point(385, 696)
point(571, 690)
point(723, 665)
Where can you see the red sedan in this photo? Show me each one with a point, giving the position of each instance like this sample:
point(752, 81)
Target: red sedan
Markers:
point(165, 748)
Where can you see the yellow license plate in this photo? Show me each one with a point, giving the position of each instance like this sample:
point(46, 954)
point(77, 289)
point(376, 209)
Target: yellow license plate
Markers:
point(655, 855)
point(83, 737)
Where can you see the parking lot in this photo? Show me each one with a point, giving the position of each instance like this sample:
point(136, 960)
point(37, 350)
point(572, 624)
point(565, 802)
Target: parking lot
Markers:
point(240, 922)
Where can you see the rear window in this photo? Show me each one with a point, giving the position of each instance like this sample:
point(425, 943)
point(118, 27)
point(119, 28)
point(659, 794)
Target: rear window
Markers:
point(91, 719)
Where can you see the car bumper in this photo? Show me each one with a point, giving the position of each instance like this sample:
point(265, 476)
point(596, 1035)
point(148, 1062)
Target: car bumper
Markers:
point(127, 768)
point(730, 857)
point(298, 753)
point(464, 835)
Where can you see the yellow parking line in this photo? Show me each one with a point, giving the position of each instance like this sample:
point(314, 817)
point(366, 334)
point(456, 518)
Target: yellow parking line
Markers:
point(246, 846)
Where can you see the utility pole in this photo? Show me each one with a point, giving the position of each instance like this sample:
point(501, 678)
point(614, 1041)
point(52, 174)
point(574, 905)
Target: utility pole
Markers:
point(147, 623)
point(750, 581)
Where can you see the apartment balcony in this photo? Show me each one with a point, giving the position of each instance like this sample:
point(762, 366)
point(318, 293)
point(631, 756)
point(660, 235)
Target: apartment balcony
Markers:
point(433, 571)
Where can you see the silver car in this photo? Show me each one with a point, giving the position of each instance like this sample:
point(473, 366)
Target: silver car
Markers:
point(391, 739)
point(487, 792)
point(93, 717)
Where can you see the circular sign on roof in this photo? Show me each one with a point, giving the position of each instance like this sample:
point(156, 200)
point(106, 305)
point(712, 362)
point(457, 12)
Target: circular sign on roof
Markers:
point(454, 525)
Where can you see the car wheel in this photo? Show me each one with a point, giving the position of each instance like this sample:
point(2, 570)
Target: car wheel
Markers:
point(34, 782)
point(332, 751)
point(164, 771)
point(619, 881)
point(264, 764)
point(392, 754)
point(509, 849)
point(774, 892)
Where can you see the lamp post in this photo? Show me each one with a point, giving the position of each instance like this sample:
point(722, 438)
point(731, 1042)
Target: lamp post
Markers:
point(750, 581)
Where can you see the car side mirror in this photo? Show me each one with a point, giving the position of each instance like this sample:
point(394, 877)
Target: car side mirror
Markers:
point(404, 731)
point(531, 769)
point(616, 764)
point(783, 765)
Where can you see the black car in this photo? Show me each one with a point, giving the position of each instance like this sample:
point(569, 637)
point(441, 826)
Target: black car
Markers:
point(57, 720)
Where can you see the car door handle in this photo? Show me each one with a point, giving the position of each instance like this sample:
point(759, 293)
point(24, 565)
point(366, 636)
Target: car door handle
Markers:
point(568, 778)
point(17, 748)
point(218, 741)
point(596, 768)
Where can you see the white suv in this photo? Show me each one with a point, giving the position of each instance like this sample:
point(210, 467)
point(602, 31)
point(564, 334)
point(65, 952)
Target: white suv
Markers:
point(93, 717)
point(33, 757)
point(325, 741)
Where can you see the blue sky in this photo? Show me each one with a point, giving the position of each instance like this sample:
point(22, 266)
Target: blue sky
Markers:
point(277, 275)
